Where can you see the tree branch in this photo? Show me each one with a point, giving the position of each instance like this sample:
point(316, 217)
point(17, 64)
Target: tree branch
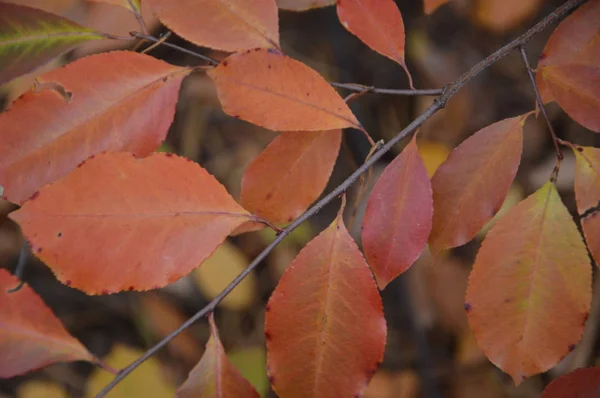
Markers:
point(438, 104)
point(370, 89)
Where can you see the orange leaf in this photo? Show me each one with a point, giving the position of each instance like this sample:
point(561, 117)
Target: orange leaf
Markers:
point(576, 39)
point(214, 376)
point(378, 24)
point(580, 383)
point(576, 88)
point(574, 43)
point(120, 223)
point(587, 193)
point(228, 25)
point(501, 16)
point(272, 90)
point(470, 187)
point(31, 335)
point(429, 6)
point(132, 5)
point(120, 101)
point(290, 174)
point(324, 324)
point(303, 5)
point(530, 289)
point(397, 221)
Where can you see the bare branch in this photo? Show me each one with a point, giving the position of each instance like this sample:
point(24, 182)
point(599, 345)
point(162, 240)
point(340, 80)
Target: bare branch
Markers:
point(359, 88)
point(438, 104)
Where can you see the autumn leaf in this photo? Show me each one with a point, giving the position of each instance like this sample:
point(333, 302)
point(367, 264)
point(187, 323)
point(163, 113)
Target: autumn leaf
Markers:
point(470, 186)
point(219, 270)
point(529, 293)
point(378, 24)
point(569, 66)
point(228, 25)
point(500, 16)
point(31, 336)
point(290, 174)
point(272, 90)
point(132, 5)
point(580, 383)
point(147, 380)
point(30, 38)
point(303, 5)
point(587, 193)
point(576, 88)
point(120, 101)
point(120, 223)
point(325, 304)
point(214, 376)
point(397, 221)
point(429, 6)
point(157, 317)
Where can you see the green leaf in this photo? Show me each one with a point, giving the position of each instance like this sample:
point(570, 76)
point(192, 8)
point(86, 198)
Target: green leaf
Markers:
point(29, 38)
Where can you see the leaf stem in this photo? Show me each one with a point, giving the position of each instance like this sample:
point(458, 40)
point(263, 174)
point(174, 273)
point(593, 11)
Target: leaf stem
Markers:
point(437, 105)
point(138, 15)
point(540, 104)
point(211, 61)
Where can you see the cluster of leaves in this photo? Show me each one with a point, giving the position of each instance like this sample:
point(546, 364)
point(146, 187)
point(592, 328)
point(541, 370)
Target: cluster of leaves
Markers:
point(108, 214)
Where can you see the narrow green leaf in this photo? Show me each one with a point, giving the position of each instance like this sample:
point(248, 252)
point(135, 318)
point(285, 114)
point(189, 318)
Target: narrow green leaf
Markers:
point(29, 38)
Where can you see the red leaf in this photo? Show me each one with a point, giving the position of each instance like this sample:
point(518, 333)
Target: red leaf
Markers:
point(470, 186)
point(529, 292)
point(120, 101)
point(580, 383)
point(290, 174)
point(576, 88)
point(228, 25)
point(573, 46)
point(378, 24)
point(324, 324)
point(31, 336)
point(277, 92)
point(429, 6)
point(120, 223)
point(587, 193)
point(397, 221)
point(214, 376)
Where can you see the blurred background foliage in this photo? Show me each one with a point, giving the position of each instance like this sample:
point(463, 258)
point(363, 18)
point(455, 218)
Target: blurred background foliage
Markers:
point(431, 351)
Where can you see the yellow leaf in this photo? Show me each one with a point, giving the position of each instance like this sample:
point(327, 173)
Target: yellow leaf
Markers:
point(433, 154)
point(529, 293)
point(146, 381)
point(219, 270)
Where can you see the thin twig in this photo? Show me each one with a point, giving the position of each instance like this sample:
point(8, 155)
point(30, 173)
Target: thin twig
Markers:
point(138, 15)
point(160, 41)
point(176, 47)
point(540, 103)
point(438, 104)
point(370, 89)
point(20, 270)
